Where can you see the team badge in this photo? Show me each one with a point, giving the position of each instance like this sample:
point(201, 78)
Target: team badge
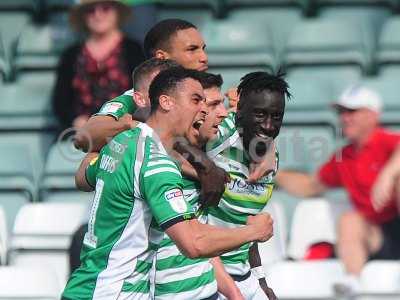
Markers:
point(111, 107)
point(176, 200)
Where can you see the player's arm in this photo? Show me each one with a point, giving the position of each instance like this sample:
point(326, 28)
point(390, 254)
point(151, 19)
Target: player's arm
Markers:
point(300, 184)
point(197, 165)
point(226, 284)
point(99, 129)
point(385, 183)
point(83, 180)
point(258, 271)
point(202, 240)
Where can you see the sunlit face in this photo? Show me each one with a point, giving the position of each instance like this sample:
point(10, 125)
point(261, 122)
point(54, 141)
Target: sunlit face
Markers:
point(216, 113)
point(189, 109)
point(101, 18)
point(187, 48)
point(356, 123)
point(260, 119)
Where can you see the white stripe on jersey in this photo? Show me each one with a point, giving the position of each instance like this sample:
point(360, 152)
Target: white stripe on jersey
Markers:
point(220, 223)
point(168, 251)
point(162, 170)
point(161, 162)
point(208, 289)
point(226, 144)
point(175, 274)
point(230, 207)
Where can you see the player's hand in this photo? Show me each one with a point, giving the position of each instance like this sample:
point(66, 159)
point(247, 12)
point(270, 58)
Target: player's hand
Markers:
point(80, 121)
point(262, 225)
point(265, 166)
point(128, 122)
point(233, 98)
point(212, 180)
point(382, 191)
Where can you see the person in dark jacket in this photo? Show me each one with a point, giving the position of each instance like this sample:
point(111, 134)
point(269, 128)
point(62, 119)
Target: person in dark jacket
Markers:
point(99, 68)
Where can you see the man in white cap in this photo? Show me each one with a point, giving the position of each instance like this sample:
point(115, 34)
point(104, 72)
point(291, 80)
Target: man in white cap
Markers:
point(368, 168)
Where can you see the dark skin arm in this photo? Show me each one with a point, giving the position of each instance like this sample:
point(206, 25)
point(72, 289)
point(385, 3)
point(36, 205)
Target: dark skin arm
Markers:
point(255, 261)
point(211, 177)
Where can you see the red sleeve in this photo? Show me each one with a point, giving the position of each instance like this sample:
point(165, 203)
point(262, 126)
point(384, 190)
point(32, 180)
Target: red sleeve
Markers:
point(328, 173)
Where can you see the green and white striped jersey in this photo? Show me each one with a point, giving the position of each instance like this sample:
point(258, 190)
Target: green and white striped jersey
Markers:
point(176, 276)
point(138, 195)
point(119, 106)
point(240, 198)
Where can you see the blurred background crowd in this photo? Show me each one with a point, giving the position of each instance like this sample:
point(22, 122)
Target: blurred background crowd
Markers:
point(60, 63)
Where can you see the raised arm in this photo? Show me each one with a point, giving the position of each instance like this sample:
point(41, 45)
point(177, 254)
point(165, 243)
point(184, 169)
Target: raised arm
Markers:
point(201, 240)
point(99, 129)
point(300, 184)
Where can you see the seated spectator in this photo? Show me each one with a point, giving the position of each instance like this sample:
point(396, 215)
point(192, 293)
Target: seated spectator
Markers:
point(368, 168)
point(98, 69)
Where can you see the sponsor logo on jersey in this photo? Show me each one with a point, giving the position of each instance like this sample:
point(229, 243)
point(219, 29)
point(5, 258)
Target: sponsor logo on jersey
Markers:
point(241, 190)
point(176, 200)
point(111, 107)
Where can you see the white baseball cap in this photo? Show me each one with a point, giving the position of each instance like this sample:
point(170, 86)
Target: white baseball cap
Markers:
point(356, 97)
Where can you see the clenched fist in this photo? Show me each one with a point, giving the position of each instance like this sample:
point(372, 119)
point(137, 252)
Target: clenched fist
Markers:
point(262, 224)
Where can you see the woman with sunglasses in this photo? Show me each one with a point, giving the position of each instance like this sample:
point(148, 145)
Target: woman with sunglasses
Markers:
point(99, 68)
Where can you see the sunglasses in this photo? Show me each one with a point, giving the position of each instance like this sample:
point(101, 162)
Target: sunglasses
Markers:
point(103, 7)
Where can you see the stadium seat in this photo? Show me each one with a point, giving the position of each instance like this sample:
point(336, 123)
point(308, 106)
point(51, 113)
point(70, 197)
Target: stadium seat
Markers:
point(17, 169)
point(308, 100)
point(11, 202)
point(274, 249)
point(279, 23)
point(314, 221)
point(304, 280)
point(239, 43)
point(26, 103)
point(3, 237)
point(389, 43)
point(387, 87)
point(326, 42)
point(62, 162)
point(39, 46)
point(42, 235)
point(18, 5)
point(27, 283)
point(197, 16)
point(340, 77)
point(380, 280)
point(304, 148)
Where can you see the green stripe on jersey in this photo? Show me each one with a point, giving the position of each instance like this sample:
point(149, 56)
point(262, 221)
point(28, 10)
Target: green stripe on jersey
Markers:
point(195, 278)
point(240, 198)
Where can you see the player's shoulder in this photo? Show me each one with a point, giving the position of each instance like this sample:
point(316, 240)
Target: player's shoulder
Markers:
point(123, 102)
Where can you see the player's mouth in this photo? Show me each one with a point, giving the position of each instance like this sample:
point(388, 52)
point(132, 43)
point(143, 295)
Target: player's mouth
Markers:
point(197, 124)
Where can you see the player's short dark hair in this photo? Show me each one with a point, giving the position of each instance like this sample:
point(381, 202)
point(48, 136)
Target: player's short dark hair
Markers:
point(255, 82)
point(149, 66)
point(159, 36)
point(167, 81)
point(210, 80)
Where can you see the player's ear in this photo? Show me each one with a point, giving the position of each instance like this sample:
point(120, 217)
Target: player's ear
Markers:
point(161, 54)
point(166, 102)
point(139, 99)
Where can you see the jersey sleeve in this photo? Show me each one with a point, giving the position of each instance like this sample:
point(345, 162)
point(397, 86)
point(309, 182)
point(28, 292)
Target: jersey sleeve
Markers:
point(163, 191)
point(91, 171)
point(328, 173)
point(118, 106)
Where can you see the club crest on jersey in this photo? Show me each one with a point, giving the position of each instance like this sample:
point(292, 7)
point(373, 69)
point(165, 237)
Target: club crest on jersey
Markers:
point(111, 107)
point(176, 200)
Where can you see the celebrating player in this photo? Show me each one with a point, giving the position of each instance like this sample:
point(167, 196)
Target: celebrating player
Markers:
point(139, 194)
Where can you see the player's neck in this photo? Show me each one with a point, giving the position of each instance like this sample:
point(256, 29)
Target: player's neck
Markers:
point(163, 129)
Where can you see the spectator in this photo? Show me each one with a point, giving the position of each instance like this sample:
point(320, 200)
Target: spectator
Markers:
point(368, 168)
point(98, 69)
